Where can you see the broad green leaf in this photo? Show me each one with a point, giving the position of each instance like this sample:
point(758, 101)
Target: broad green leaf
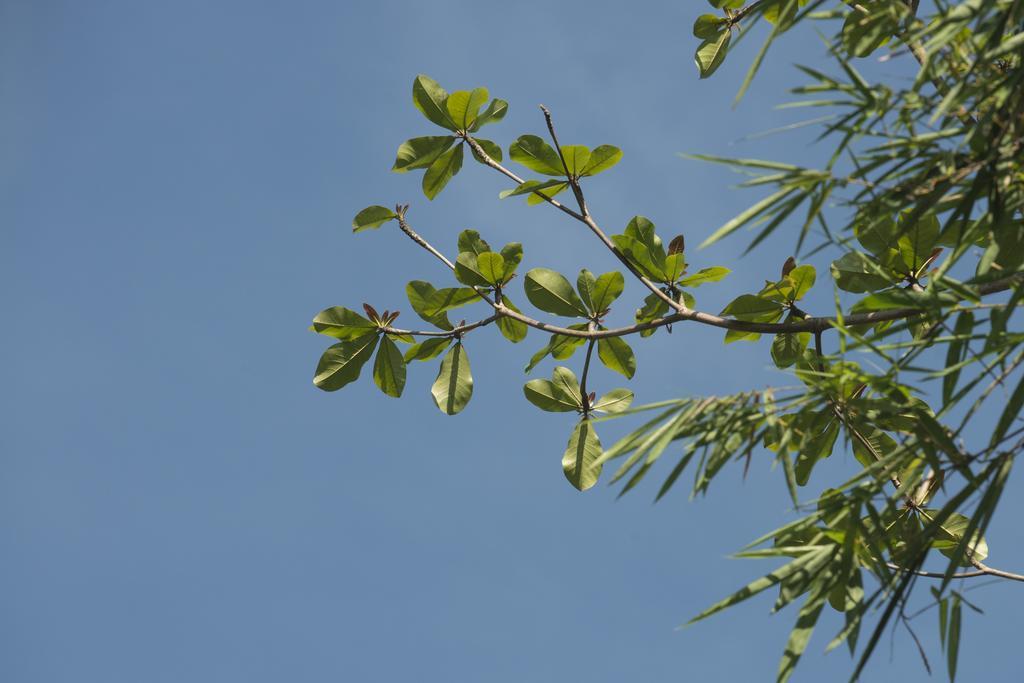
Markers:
point(495, 112)
point(642, 256)
point(431, 304)
point(491, 266)
point(559, 346)
point(788, 348)
point(372, 217)
point(857, 272)
point(654, 307)
point(421, 152)
point(566, 381)
point(429, 348)
point(704, 276)
point(917, 241)
point(529, 187)
point(707, 26)
point(727, 4)
point(585, 283)
point(441, 171)
point(454, 384)
point(467, 270)
point(491, 148)
point(583, 450)
point(785, 8)
point(341, 323)
point(512, 253)
point(463, 106)
point(389, 368)
point(536, 155)
point(341, 363)
point(470, 240)
point(513, 330)
point(878, 234)
point(606, 290)
point(429, 98)
point(952, 532)
point(576, 158)
point(616, 355)
point(550, 397)
point(551, 292)
point(802, 278)
point(601, 159)
point(711, 53)
point(754, 309)
point(615, 401)
point(551, 192)
point(816, 446)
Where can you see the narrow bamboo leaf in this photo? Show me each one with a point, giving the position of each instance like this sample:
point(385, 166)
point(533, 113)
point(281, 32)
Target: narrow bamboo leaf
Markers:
point(617, 355)
point(801, 633)
point(372, 217)
point(746, 216)
point(341, 363)
point(956, 352)
point(454, 384)
point(953, 638)
point(551, 292)
point(1010, 413)
point(441, 171)
point(389, 368)
point(583, 450)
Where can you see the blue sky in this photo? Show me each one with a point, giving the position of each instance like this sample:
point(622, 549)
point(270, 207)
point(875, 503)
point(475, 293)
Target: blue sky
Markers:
point(179, 503)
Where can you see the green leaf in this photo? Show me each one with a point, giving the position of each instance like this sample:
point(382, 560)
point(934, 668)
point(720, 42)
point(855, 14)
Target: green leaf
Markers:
point(372, 217)
point(802, 278)
point(463, 106)
point(583, 450)
point(559, 346)
point(576, 158)
point(550, 397)
point(642, 257)
point(585, 283)
point(550, 192)
point(431, 304)
point(953, 637)
point(536, 155)
point(512, 253)
point(753, 309)
point(788, 348)
point(491, 266)
point(601, 159)
point(615, 401)
point(863, 33)
point(704, 276)
point(467, 270)
point(801, 633)
point(341, 363)
point(606, 290)
point(430, 98)
point(879, 236)
point(956, 352)
point(551, 292)
point(470, 240)
point(950, 535)
point(857, 272)
point(529, 187)
point(566, 381)
point(495, 112)
point(441, 171)
point(342, 323)
point(421, 152)
point(708, 26)
point(917, 241)
point(513, 330)
point(454, 384)
point(711, 53)
point(429, 348)
point(616, 355)
point(491, 148)
point(389, 368)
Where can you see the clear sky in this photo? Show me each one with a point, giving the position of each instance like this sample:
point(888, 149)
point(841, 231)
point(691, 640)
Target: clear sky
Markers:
point(179, 503)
